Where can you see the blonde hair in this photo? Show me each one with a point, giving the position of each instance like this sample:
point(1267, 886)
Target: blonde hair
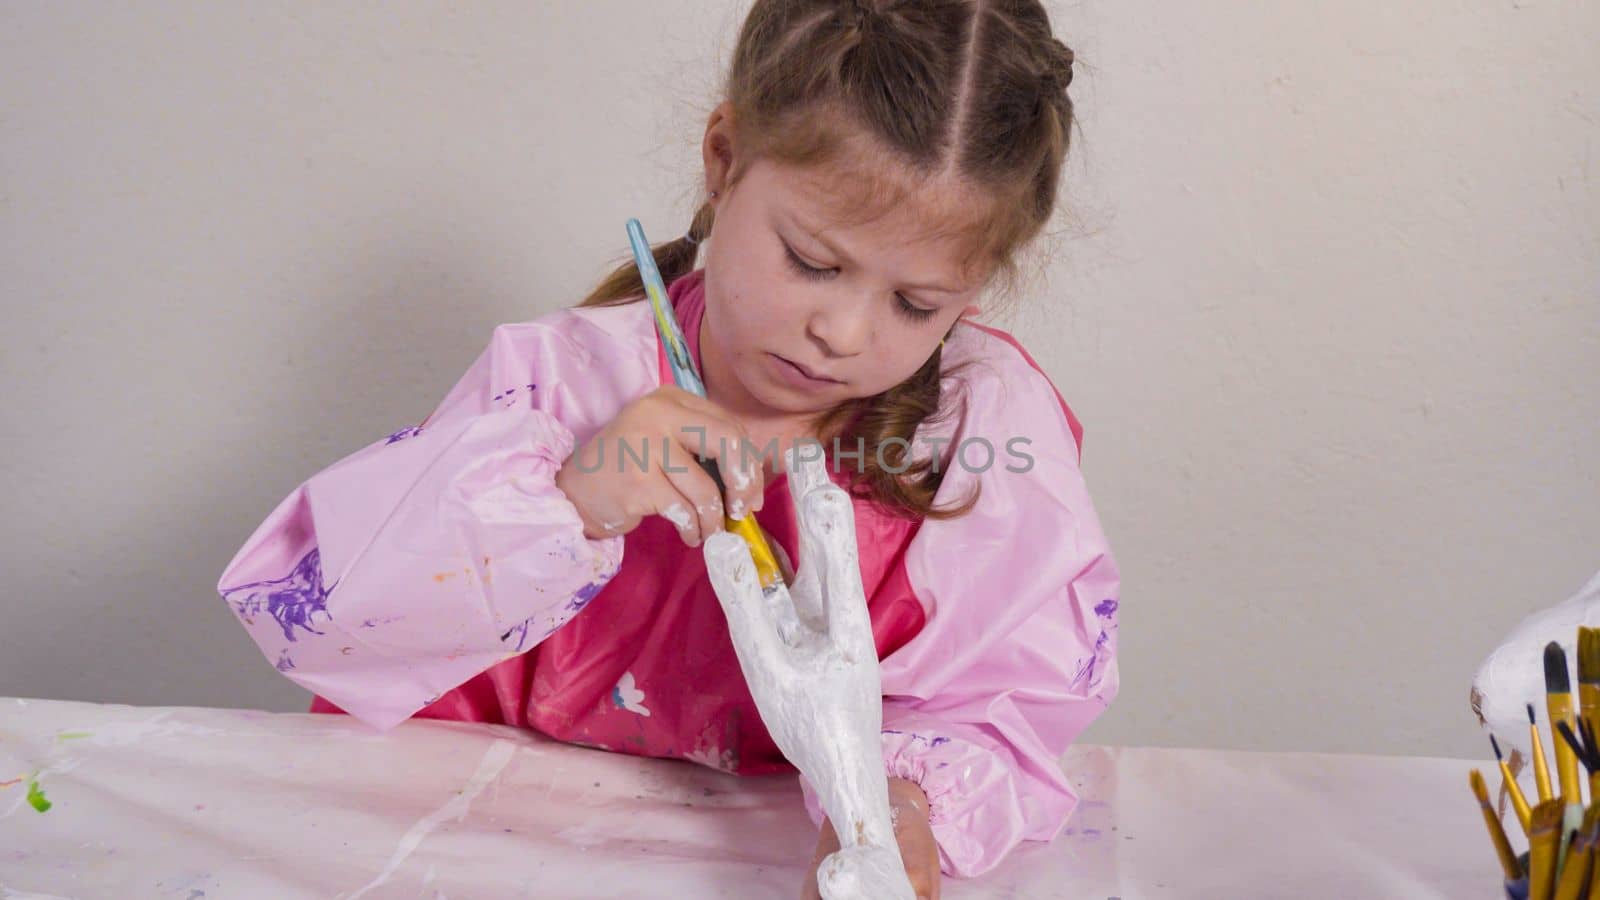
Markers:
point(975, 88)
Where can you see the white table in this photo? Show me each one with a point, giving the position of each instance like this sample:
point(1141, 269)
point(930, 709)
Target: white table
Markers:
point(215, 804)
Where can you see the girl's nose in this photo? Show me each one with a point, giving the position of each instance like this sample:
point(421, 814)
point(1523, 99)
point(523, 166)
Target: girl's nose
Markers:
point(844, 327)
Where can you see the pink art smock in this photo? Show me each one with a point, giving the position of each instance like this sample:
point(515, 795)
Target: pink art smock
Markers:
point(440, 573)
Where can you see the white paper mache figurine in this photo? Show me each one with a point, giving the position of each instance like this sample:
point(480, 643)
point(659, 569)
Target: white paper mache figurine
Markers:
point(1513, 675)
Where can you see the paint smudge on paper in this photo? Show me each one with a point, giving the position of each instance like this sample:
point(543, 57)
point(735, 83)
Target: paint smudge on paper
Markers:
point(160, 725)
point(489, 768)
point(712, 756)
point(36, 797)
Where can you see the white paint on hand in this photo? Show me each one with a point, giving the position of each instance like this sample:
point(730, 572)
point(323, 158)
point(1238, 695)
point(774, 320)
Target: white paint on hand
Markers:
point(677, 515)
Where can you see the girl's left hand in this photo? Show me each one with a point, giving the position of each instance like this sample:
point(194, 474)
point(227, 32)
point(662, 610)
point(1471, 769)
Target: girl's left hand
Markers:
point(918, 849)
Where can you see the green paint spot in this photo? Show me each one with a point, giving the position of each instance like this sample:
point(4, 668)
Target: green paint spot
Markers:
point(36, 797)
point(74, 735)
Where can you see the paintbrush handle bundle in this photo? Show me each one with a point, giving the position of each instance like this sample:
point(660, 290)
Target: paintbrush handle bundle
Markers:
point(1561, 831)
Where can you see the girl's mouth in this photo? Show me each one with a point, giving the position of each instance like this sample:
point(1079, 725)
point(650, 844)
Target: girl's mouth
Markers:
point(800, 376)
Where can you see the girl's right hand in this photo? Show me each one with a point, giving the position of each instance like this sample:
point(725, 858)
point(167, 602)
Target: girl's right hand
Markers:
point(665, 428)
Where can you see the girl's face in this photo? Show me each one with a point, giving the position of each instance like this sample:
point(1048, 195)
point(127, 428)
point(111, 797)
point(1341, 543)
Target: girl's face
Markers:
point(804, 312)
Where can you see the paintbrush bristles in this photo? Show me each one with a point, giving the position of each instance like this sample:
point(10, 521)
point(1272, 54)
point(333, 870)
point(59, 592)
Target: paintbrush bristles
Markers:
point(1583, 744)
point(1497, 833)
point(1589, 656)
point(1496, 745)
point(1547, 817)
point(1556, 679)
point(1480, 788)
point(1544, 840)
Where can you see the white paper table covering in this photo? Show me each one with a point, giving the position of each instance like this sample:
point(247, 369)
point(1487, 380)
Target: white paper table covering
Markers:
point(203, 804)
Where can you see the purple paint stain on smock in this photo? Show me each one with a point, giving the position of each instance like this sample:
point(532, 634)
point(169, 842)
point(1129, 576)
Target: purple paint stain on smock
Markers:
point(402, 434)
point(295, 601)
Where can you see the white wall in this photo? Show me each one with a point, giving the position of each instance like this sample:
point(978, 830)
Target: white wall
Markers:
point(1329, 308)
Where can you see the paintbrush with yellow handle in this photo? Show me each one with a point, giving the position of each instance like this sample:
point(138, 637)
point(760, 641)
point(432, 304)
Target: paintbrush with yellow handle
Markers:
point(1594, 869)
point(1519, 803)
point(1558, 699)
point(1589, 677)
point(1497, 834)
point(1544, 849)
point(1586, 749)
point(1541, 768)
point(1577, 866)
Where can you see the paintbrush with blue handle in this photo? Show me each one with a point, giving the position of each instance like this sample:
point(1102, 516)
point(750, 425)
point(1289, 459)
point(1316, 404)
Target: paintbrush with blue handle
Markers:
point(687, 377)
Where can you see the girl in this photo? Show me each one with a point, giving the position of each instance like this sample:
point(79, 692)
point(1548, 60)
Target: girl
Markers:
point(874, 168)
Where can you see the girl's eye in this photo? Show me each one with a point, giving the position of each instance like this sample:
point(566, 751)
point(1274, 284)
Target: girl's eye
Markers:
point(916, 313)
point(802, 269)
point(806, 270)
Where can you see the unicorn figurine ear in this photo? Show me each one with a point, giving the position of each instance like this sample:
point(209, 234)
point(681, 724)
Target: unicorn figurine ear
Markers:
point(1513, 675)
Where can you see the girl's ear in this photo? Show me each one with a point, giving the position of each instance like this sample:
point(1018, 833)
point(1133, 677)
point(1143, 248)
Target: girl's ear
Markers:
point(972, 309)
point(717, 149)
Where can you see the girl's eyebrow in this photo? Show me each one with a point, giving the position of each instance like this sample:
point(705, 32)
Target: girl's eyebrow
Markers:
point(837, 252)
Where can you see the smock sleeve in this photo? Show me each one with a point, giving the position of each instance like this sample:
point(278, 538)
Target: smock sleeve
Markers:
point(417, 562)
